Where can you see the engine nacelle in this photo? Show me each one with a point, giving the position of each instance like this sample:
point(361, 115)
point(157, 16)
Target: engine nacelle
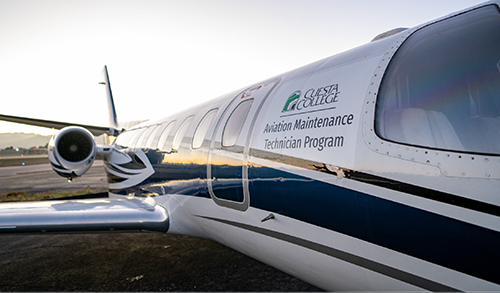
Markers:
point(72, 151)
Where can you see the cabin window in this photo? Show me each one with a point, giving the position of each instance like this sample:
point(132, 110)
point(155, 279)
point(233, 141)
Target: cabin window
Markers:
point(202, 129)
point(123, 140)
point(135, 137)
point(141, 143)
point(162, 142)
point(235, 123)
point(181, 132)
point(442, 87)
point(153, 138)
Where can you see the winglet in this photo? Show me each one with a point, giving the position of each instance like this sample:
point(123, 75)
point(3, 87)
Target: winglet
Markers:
point(113, 120)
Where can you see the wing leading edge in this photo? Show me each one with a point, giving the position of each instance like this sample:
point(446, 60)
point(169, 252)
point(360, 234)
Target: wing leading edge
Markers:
point(96, 215)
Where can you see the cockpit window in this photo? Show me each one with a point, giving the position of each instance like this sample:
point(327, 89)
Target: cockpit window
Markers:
point(442, 87)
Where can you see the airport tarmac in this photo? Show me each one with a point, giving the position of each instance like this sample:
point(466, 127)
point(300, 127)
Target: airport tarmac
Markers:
point(119, 261)
point(33, 179)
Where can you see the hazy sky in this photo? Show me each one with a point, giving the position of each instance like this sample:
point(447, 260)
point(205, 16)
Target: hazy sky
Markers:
point(164, 56)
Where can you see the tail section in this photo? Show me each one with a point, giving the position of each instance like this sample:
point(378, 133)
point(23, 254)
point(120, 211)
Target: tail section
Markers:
point(112, 129)
point(113, 120)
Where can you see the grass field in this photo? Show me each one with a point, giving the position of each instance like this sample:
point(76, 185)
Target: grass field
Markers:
point(15, 196)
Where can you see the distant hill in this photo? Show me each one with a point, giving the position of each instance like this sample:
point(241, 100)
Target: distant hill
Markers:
point(23, 140)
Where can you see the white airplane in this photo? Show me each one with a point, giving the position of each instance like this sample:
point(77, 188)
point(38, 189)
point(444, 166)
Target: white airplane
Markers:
point(374, 169)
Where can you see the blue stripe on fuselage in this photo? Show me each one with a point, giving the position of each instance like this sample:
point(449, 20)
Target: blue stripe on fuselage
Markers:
point(428, 236)
point(434, 238)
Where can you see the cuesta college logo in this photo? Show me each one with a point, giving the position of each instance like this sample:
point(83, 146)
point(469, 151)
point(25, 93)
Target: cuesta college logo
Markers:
point(312, 97)
point(292, 101)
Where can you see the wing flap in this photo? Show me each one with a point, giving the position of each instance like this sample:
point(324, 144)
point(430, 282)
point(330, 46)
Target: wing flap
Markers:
point(94, 215)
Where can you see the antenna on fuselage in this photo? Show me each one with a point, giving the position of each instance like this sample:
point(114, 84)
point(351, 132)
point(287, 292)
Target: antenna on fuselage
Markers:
point(388, 33)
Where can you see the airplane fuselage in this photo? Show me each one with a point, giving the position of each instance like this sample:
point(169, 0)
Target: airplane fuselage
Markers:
point(361, 171)
point(374, 169)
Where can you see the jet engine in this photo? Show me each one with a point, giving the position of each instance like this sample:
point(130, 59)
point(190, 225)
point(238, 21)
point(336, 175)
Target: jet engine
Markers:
point(72, 151)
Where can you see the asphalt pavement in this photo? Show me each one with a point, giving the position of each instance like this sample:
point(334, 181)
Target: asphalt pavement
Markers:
point(33, 179)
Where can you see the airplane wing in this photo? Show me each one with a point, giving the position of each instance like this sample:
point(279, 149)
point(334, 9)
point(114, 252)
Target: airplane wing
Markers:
point(114, 127)
point(92, 215)
point(96, 130)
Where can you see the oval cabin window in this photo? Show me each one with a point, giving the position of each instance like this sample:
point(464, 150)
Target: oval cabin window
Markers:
point(202, 129)
point(181, 132)
point(235, 123)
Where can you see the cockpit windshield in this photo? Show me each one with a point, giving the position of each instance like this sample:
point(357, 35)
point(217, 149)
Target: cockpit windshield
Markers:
point(442, 87)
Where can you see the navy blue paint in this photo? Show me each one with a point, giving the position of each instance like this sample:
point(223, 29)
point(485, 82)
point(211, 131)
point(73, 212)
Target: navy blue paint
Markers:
point(227, 179)
point(447, 242)
point(437, 239)
point(169, 177)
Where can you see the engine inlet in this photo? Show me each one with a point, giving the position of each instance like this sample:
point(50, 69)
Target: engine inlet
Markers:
point(74, 146)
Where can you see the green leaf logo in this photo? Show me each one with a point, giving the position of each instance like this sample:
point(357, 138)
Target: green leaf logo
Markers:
point(292, 101)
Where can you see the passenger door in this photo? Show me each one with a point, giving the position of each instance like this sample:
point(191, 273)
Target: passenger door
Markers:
point(227, 163)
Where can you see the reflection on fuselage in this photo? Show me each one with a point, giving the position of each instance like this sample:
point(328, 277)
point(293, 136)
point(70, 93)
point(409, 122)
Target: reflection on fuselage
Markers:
point(184, 171)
